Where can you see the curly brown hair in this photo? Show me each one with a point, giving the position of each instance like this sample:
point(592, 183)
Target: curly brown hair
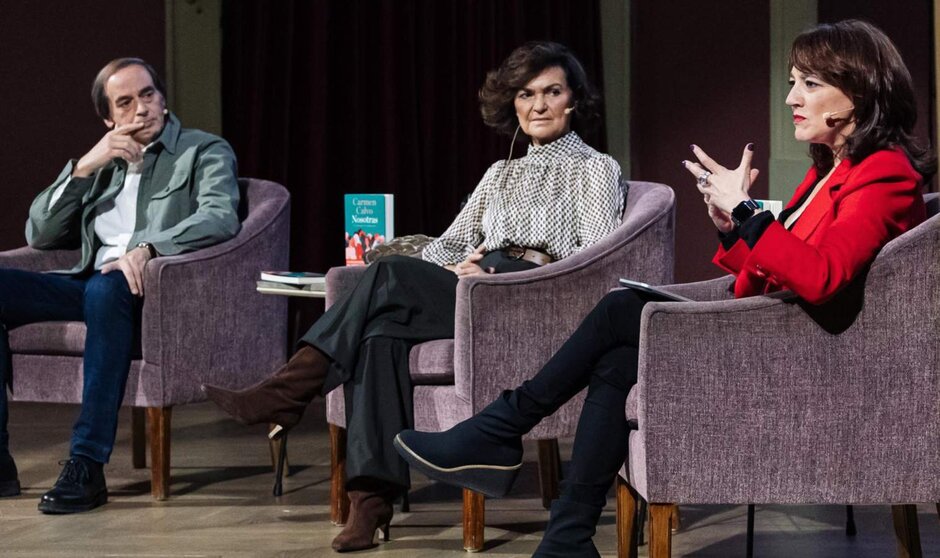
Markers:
point(526, 62)
point(863, 63)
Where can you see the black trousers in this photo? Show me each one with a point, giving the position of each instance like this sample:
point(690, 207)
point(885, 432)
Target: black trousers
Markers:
point(398, 302)
point(601, 355)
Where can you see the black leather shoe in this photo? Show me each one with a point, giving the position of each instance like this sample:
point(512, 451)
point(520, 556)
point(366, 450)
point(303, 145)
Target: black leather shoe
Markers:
point(9, 478)
point(80, 488)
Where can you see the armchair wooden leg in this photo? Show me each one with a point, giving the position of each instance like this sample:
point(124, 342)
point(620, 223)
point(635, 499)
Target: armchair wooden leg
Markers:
point(549, 470)
point(676, 523)
point(907, 531)
point(339, 500)
point(139, 437)
point(474, 506)
point(661, 530)
point(159, 418)
point(626, 519)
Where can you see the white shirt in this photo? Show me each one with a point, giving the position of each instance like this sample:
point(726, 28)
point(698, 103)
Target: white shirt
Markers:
point(116, 219)
point(559, 198)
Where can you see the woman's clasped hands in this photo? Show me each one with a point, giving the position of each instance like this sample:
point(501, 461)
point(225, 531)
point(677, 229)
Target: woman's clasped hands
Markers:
point(470, 266)
point(723, 189)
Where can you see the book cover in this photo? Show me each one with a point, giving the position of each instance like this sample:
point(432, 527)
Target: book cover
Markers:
point(315, 290)
point(773, 206)
point(294, 277)
point(370, 222)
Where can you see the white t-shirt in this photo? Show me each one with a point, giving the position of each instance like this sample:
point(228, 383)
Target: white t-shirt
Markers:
point(116, 219)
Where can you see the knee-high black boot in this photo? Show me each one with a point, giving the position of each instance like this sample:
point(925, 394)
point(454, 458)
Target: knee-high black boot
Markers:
point(572, 523)
point(482, 453)
point(600, 446)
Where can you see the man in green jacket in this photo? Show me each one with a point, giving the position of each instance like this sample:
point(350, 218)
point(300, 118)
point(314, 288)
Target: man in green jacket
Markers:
point(147, 189)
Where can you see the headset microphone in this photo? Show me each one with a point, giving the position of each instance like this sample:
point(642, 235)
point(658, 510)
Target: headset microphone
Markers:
point(830, 121)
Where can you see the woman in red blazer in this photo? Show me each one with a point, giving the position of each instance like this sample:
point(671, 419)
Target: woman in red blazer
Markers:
point(845, 217)
point(852, 100)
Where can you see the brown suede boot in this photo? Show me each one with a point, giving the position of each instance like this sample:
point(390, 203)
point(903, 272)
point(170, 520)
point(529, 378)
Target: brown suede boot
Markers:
point(370, 508)
point(280, 399)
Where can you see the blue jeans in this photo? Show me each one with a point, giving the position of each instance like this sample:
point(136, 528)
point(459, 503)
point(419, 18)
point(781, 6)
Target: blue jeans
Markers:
point(112, 317)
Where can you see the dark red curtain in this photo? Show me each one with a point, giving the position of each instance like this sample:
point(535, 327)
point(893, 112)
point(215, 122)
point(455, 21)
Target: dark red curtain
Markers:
point(909, 25)
point(693, 83)
point(335, 97)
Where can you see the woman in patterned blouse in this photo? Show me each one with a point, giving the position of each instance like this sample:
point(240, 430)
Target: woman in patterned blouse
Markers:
point(561, 197)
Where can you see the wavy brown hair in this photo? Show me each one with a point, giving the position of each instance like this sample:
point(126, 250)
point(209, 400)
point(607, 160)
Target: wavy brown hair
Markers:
point(863, 63)
point(526, 62)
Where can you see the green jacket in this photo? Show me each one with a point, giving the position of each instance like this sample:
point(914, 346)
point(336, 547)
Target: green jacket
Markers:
point(188, 199)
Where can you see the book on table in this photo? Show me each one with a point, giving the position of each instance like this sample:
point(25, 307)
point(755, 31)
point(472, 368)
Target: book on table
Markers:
point(773, 206)
point(652, 293)
point(294, 277)
point(370, 222)
point(272, 287)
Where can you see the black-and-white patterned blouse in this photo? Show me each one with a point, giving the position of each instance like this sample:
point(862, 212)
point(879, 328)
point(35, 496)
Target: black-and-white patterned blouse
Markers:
point(558, 199)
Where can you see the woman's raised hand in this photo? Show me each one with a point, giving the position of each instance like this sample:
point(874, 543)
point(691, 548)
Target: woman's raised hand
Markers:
point(721, 219)
point(723, 189)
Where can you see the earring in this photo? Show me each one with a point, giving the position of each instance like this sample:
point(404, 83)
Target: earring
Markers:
point(166, 111)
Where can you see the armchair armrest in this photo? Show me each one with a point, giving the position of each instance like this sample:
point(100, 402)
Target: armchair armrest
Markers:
point(758, 394)
point(203, 321)
point(31, 259)
point(509, 325)
point(712, 289)
point(342, 280)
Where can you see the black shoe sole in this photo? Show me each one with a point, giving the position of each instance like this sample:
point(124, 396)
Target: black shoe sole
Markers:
point(491, 480)
point(56, 508)
point(10, 488)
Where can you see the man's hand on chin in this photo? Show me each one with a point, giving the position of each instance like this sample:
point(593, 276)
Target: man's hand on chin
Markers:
point(118, 143)
point(132, 265)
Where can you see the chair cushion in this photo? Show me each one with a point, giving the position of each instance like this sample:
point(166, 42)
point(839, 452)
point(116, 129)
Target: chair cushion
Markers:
point(49, 338)
point(432, 362)
point(632, 410)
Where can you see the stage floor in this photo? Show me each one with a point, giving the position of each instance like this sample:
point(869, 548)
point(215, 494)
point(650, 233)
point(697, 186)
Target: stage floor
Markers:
point(221, 505)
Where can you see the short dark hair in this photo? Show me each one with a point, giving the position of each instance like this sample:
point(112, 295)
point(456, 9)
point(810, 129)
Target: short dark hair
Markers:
point(863, 63)
point(98, 95)
point(526, 62)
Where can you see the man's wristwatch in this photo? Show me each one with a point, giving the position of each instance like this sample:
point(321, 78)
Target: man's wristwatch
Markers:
point(744, 211)
point(149, 247)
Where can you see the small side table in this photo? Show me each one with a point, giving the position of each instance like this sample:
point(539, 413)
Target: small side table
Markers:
point(272, 288)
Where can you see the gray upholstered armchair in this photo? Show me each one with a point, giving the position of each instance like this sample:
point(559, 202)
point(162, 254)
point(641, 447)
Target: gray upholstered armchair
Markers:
point(753, 401)
point(202, 322)
point(507, 327)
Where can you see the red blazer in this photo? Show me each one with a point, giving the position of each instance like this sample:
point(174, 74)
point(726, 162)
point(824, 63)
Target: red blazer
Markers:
point(870, 204)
